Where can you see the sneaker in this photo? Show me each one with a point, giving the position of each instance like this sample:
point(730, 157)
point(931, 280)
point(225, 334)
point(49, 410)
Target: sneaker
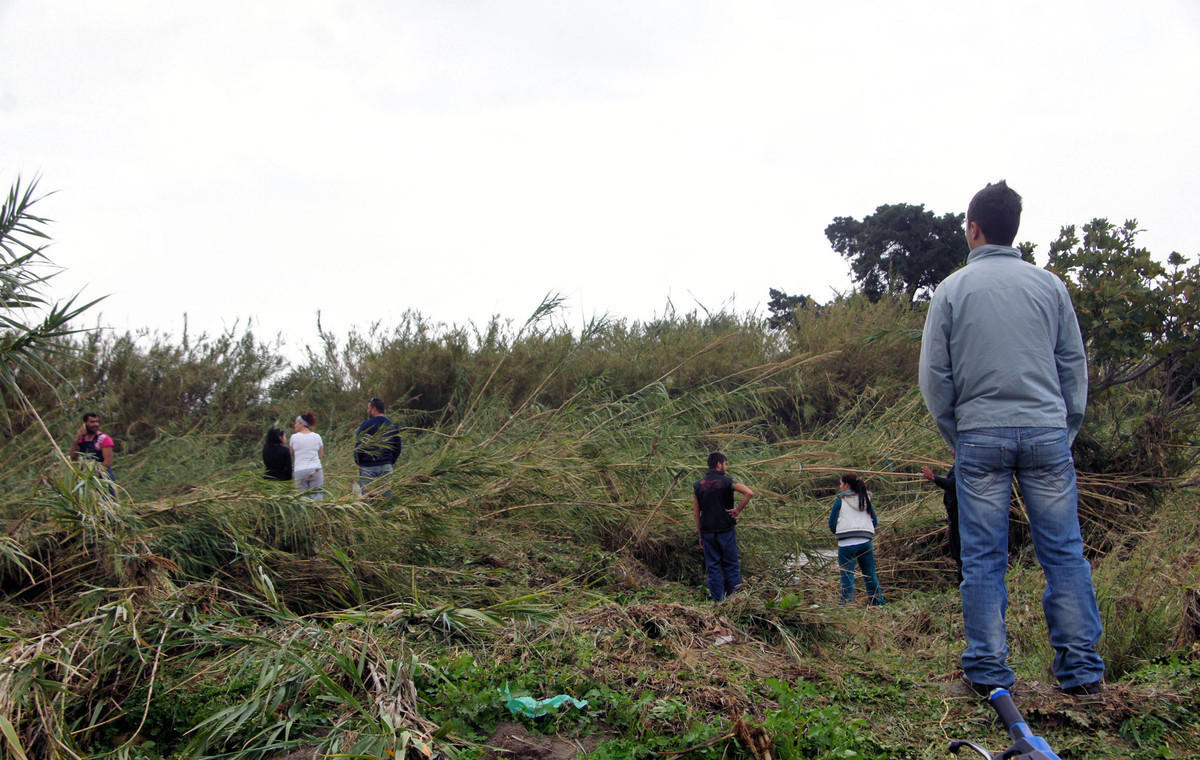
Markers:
point(982, 689)
point(1085, 689)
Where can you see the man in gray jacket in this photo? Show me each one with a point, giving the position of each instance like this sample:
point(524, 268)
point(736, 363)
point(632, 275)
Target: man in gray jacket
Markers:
point(1004, 374)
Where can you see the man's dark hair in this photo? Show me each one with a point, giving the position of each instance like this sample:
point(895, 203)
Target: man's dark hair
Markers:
point(378, 404)
point(89, 415)
point(997, 210)
point(715, 459)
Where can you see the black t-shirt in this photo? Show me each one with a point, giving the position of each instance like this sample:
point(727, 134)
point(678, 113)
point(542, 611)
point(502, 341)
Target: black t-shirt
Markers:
point(715, 495)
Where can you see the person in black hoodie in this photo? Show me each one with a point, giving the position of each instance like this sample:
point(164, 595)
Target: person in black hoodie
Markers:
point(276, 457)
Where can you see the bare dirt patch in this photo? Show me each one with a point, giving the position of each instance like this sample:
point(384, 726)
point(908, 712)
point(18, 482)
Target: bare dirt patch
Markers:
point(512, 741)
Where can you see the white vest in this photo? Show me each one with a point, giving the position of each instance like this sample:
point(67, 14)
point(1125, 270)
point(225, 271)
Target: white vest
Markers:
point(852, 522)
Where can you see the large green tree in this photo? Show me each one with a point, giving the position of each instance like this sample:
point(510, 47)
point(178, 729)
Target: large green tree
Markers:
point(1136, 314)
point(900, 248)
point(1140, 320)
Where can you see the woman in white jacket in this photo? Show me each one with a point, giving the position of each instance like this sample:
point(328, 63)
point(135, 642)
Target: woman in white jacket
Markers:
point(853, 521)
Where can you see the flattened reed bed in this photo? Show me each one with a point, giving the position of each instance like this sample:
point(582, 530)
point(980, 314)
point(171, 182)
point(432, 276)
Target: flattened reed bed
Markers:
point(670, 650)
point(558, 507)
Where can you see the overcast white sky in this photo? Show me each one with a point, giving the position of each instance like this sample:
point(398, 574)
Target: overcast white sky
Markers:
point(266, 160)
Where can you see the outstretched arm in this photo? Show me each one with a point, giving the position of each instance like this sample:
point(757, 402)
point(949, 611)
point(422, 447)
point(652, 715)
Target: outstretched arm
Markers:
point(941, 482)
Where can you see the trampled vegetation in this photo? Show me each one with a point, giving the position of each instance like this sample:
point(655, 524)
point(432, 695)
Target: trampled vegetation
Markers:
point(539, 542)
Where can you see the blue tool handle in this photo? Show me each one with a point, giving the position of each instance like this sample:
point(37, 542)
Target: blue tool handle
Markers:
point(1025, 745)
point(1002, 703)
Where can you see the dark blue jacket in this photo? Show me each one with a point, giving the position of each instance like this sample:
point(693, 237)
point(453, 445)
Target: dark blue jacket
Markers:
point(378, 442)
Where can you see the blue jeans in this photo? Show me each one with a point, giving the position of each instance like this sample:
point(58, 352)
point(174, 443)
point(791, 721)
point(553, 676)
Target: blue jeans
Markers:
point(372, 472)
point(112, 491)
point(985, 461)
point(721, 562)
point(864, 556)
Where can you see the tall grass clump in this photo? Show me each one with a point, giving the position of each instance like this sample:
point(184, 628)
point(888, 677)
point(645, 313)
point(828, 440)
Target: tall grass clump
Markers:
point(870, 348)
point(433, 370)
point(143, 384)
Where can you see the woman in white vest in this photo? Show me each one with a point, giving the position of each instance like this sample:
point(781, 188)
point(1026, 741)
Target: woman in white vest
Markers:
point(853, 521)
point(307, 450)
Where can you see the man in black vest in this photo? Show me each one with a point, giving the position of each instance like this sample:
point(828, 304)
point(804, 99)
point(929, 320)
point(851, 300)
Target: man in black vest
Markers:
point(716, 519)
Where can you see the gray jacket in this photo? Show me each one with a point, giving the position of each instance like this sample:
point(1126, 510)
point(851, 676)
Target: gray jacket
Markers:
point(1002, 348)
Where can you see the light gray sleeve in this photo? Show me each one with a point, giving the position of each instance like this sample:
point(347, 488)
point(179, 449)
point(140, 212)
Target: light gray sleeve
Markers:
point(1071, 361)
point(936, 375)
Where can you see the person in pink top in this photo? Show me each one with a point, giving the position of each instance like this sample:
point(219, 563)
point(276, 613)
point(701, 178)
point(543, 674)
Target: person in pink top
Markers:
point(89, 441)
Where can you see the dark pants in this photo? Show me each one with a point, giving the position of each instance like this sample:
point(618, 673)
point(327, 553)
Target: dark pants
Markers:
point(955, 542)
point(864, 555)
point(721, 562)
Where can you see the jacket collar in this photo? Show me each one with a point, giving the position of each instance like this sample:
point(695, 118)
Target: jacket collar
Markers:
point(984, 251)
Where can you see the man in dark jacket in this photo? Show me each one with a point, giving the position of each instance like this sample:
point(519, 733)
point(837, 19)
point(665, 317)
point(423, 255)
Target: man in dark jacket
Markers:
point(950, 501)
point(376, 449)
point(712, 502)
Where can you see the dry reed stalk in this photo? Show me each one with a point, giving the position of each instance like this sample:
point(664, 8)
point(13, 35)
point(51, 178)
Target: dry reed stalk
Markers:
point(605, 504)
point(640, 533)
point(775, 460)
point(891, 474)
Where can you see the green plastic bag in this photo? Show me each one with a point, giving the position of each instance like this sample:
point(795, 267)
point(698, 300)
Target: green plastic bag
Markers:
point(534, 708)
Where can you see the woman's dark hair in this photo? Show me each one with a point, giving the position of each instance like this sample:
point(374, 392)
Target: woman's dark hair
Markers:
point(309, 419)
point(857, 486)
point(274, 437)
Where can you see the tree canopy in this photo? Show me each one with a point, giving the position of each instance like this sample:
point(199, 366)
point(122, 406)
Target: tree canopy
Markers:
point(782, 308)
point(1135, 313)
point(900, 248)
